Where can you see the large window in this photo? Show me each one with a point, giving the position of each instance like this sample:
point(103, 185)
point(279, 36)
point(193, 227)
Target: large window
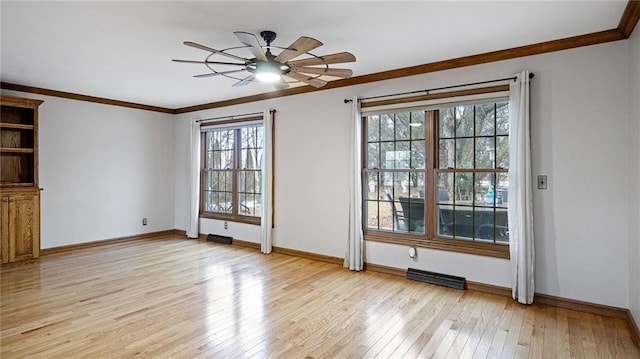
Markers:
point(438, 177)
point(231, 171)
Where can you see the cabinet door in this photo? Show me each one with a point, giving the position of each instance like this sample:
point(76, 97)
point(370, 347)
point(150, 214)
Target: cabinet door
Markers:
point(24, 227)
point(4, 229)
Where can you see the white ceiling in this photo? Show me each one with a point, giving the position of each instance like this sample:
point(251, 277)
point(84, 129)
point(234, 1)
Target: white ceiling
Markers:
point(123, 50)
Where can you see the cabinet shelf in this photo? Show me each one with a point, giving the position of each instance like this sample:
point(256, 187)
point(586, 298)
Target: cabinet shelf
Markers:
point(15, 150)
point(16, 126)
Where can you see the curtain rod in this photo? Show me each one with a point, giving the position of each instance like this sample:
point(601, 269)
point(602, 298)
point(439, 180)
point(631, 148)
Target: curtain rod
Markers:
point(232, 117)
point(439, 88)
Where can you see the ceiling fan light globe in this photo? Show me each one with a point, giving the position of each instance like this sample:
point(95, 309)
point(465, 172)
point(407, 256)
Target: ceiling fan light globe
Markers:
point(268, 71)
point(267, 76)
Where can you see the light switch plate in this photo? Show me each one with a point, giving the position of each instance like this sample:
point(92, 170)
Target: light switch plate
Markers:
point(542, 181)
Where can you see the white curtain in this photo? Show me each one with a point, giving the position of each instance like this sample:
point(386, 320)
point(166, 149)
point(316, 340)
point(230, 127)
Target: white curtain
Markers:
point(354, 259)
point(520, 192)
point(194, 181)
point(266, 240)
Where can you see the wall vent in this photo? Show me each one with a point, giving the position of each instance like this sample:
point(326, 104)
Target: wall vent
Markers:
point(219, 239)
point(436, 278)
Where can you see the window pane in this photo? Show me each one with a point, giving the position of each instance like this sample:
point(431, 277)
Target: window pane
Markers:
point(417, 125)
point(251, 147)
point(485, 151)
point(484, 227)
point(251, 158)
point(502, 226)
point(417, 154)
point(502, 118)
point(387, 127)
point(502, 195)
point(249, 195)
point(371, 209)
point(373, 128)
point(484, 189)
point(464, 153)
point(371, 185)
point(463, 188)
point(463, 222)
point(447, 153)
point(402, 126)
point(402, 154)
point(221, 148)
point(400, 185)
point(445, 221)
point(447, 123)
point(416, 184)
point(388, 155)
point(485, 119)
point(412, 214)
point(445, 187)
point(502, 155)
point(217, 187)
point(373, 155)
point(258, 182)
point(464, 121)
point(386, 216)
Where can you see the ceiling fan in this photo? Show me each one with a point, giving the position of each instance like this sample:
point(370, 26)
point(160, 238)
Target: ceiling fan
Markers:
point(267, 67)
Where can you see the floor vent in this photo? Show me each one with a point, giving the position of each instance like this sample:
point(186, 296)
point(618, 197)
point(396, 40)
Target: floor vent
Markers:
point(436, 278)
point(219, 239)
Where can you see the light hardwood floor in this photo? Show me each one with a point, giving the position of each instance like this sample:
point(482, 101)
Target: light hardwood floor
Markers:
point(177, 298)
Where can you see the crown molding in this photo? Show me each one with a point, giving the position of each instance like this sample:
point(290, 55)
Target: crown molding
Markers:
point(629, 18)
point(80, 97)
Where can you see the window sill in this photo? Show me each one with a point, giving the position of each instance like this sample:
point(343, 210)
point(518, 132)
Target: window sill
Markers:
point(232, 218)
point(452, 245)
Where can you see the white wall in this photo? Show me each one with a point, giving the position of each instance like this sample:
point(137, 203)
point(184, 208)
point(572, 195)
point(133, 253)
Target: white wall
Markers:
point(634, 180)
point(103, 168)
point(580, 107)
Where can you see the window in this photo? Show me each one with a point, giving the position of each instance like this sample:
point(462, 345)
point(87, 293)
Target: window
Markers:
point(438, 177)
point(231, 171)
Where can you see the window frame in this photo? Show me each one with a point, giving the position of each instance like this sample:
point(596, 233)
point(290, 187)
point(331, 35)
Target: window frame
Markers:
point(236, 125)
point(430, 238)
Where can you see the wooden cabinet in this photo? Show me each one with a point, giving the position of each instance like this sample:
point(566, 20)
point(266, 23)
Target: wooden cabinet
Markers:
point(20, 224)
point(19, 191)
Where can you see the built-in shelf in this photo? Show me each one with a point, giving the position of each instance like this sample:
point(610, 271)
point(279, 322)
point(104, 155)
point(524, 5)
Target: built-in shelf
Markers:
point(15, 150)
point(17, 126)
point(19, 192)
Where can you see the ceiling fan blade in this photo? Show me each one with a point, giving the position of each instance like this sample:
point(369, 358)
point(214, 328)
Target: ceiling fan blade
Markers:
point(299, 47)
point(219, 73)
point(205, 48)
point(306, 79)
point(244, 81)
point(323, 71)
point(207, 62)
point(251, 40)
point(281, 85)
point(325, 60)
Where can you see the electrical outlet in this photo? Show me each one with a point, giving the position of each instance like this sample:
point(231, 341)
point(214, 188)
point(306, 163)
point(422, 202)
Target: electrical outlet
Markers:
point(226, 225)
point(144, 221)
point(542, 182)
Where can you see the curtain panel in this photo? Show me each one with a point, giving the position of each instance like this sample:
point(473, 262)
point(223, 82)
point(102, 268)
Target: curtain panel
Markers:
point(266, 226)
point(520, 213)
point(194, 181)
point(354, 258)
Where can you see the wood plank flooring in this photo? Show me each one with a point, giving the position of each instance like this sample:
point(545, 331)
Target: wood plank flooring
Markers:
point(177, 298)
